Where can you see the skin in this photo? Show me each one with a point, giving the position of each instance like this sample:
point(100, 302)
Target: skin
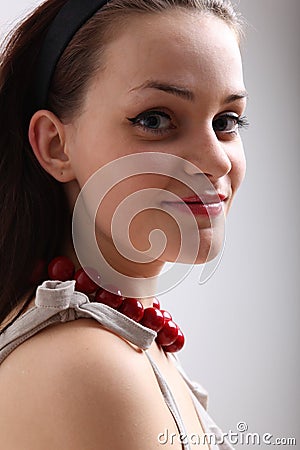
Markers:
point(210, 67)
point(68, 383)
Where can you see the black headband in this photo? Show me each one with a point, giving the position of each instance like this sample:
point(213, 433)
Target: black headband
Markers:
point(71, 17)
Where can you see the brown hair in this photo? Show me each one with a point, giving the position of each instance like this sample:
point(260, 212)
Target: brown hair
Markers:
point(35, 216)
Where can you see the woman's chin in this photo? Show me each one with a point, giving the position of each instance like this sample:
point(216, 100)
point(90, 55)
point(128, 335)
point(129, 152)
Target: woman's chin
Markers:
point(210, 246)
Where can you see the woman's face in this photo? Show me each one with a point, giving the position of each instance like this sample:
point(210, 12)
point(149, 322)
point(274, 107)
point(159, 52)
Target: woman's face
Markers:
point(172, 84)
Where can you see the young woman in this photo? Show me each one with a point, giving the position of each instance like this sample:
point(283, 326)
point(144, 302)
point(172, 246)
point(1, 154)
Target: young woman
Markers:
point(111, 100)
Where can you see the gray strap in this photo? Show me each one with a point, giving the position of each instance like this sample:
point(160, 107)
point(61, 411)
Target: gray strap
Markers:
point(115, 321)
point(57, 302)
point(170, 402)
point(200, 400)
point(199, 391)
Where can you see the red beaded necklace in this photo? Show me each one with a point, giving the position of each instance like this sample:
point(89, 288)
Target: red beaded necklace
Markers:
point(169, 335)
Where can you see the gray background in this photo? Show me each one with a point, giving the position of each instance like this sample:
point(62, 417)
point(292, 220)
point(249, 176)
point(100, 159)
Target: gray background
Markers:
point(242, 326)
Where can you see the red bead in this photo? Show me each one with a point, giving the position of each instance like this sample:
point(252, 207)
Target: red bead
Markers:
point(156, 303)
point(61, 268)
point(112, 288)
point(177, 344)
point(153, 319)
point(168, 334)
point(108, 298)
point(166, 314)
point(84, 283)
point(132, 308)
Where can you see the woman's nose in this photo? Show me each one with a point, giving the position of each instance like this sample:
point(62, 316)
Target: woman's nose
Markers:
point(209, 156)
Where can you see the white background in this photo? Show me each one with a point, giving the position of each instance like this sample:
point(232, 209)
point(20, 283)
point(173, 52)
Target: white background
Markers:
point(242, 326)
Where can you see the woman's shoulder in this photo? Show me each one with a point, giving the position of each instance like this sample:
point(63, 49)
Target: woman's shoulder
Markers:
point(63, 352)
point(80, 380)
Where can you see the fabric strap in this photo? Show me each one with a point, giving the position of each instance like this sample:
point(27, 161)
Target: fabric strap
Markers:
point(58, 302)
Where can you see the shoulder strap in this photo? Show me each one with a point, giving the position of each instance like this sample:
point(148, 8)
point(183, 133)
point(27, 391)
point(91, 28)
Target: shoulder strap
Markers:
point(56, 302)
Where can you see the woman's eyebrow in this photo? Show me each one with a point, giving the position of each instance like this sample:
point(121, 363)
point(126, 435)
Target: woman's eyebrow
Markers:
point(236, 96)
point(169, 88)
point(185, 93)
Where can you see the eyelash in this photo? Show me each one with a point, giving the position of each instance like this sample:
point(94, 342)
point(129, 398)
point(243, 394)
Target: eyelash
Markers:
point(145, 115)
point(241, 122)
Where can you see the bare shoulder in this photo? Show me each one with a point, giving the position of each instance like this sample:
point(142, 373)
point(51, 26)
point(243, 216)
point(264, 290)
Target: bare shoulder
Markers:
point(82, 387)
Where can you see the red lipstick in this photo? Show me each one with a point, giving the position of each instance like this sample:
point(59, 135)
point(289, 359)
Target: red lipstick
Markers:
point(208, 205)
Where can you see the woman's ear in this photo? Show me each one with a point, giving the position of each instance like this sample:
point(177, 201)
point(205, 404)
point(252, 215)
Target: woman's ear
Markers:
point(48, 140)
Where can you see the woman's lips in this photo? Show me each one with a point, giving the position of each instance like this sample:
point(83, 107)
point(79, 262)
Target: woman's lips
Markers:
point(209, 206)
point(205, 199)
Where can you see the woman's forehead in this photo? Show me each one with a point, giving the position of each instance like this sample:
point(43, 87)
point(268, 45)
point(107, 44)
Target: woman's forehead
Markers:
point(176, 50)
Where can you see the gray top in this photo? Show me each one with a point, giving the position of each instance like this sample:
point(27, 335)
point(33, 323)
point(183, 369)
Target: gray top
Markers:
point(58, 301)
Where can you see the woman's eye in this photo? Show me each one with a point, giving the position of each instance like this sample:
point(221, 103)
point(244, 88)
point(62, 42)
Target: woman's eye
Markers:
point(157, 122)
point(229, 123)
